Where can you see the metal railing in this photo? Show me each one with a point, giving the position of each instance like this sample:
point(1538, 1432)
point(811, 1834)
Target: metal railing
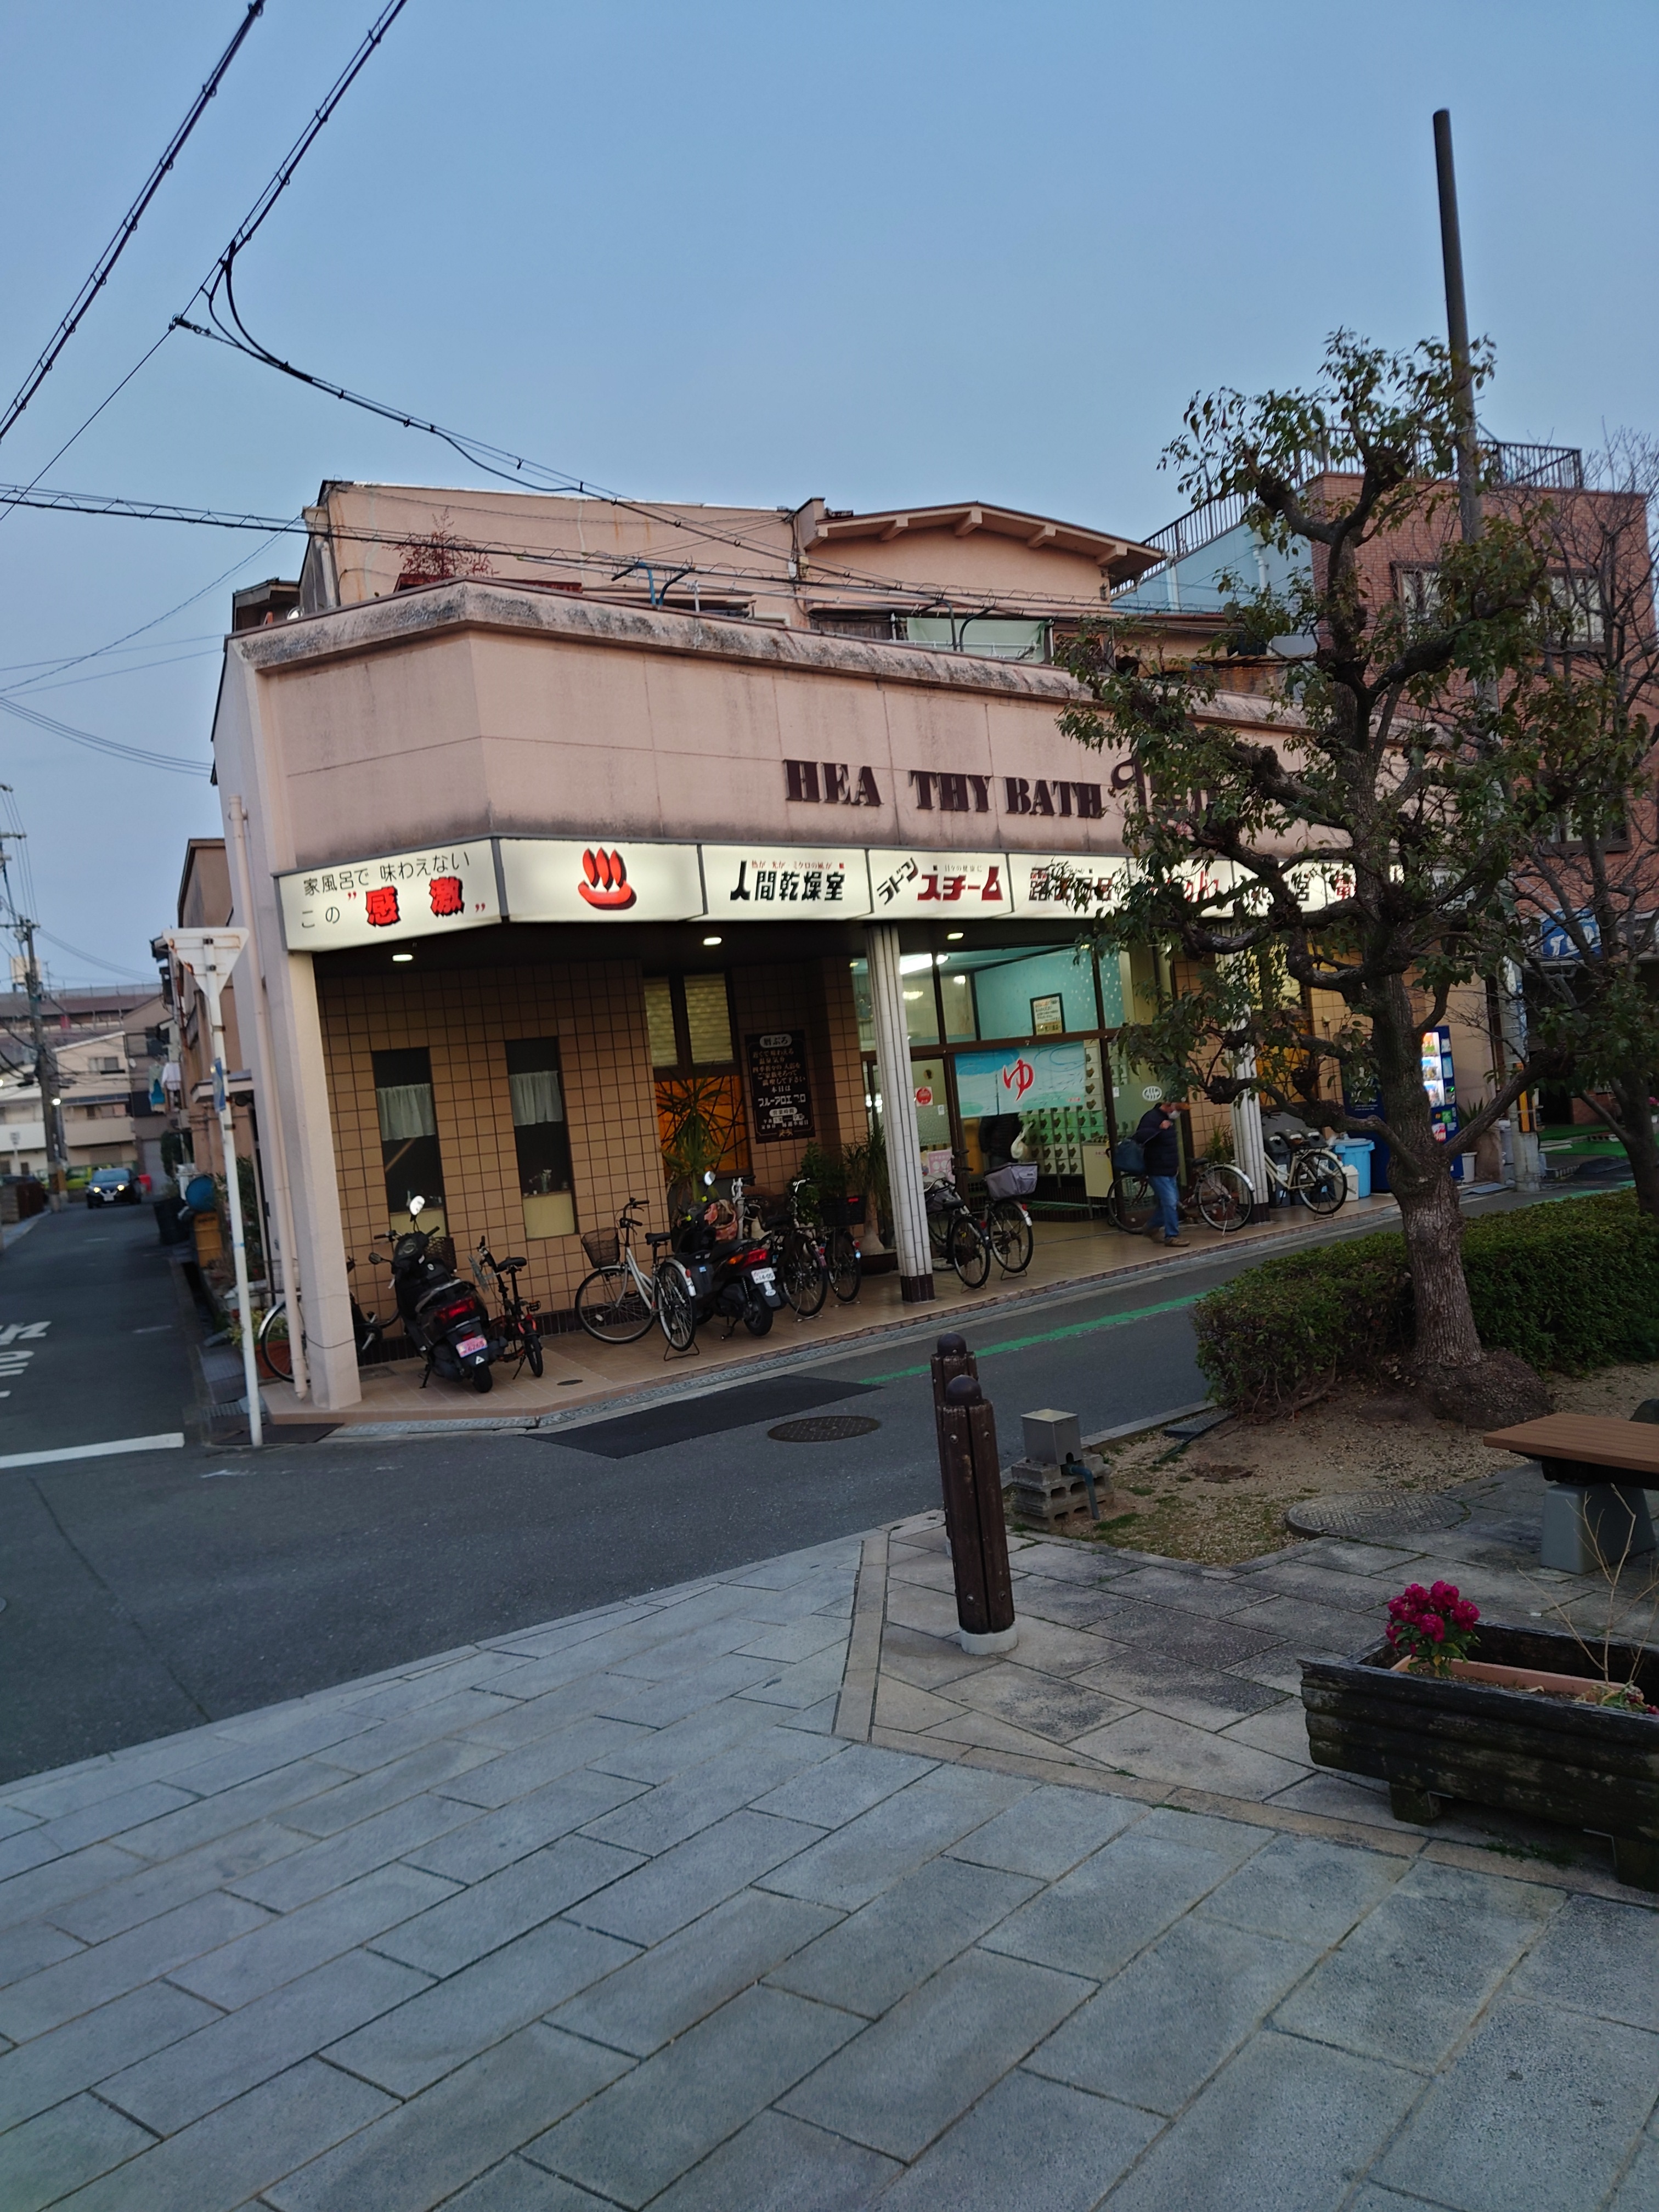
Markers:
point(1541, 468)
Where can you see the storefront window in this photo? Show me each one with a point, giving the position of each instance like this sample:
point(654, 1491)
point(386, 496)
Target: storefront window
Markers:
point(920, 1010)
point(410, 1157)
point(708, 1021)
point(660, 1021)
point(541, 1137)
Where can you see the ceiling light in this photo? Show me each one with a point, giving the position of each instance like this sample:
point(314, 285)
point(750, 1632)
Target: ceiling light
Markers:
point(403, 955)
point(711, 940)
point(953, 937)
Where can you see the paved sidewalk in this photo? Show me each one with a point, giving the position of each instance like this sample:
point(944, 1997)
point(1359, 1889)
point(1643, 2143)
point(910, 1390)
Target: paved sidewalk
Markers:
point(606, 1913)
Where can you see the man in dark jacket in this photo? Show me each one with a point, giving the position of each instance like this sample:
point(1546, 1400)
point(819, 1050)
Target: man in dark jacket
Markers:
point(1160, 1149)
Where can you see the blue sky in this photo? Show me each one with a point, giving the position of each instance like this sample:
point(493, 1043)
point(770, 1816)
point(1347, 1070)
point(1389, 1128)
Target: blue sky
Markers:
point(885, 253)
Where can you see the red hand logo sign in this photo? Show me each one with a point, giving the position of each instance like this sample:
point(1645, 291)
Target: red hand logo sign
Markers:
point(607, 884)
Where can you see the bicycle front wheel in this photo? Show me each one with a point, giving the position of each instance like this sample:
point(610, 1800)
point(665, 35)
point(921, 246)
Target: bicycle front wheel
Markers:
point(1132, 1203)
point(806, 1283)
point(1010, 1233)
point(675, 1310)
point(272, 1344)
point(845, 1267)
point(1320, 1183)
point(969, 1252)
point(532, 1349)
point(1225, 1199)
point(610, 1306)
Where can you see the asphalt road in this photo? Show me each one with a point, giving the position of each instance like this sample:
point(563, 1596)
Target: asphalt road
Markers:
point(149, 1590)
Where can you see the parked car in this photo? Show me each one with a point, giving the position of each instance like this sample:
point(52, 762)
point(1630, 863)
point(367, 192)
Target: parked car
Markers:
point(114, 1187)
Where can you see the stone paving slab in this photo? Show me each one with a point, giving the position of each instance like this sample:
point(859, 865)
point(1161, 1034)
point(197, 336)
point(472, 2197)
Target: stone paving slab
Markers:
point(461, 1936)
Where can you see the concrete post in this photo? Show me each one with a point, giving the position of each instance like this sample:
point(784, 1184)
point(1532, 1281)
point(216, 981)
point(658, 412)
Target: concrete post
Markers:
point(1249, 1152)
point(1512, 1021)
point(308, 1144)
point(915, 1259)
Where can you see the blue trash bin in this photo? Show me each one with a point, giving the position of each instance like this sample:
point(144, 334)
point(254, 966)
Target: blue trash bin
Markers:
point(1355, 1152)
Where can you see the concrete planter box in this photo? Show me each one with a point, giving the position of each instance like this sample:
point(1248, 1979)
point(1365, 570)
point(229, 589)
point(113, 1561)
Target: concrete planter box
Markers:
point(1547, 1758)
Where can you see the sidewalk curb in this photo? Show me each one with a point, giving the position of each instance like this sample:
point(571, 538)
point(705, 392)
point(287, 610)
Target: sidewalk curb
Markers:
point(901, 1329)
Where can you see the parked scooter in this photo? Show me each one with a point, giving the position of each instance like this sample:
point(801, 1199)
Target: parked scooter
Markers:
point(718, 1266)
point(442, 1317)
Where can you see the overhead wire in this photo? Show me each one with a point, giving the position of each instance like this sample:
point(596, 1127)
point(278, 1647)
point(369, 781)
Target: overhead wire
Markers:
point(111, 253)
point(115, 751)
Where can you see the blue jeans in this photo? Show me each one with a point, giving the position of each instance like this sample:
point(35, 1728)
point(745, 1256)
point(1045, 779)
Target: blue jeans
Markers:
point(1167, 1191)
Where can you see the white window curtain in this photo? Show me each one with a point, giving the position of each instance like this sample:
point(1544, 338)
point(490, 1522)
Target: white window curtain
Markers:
point(536, 1098)
point(406, 1111)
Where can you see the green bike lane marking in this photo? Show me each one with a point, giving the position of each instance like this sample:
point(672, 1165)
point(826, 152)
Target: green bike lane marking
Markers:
point(1052, 1336)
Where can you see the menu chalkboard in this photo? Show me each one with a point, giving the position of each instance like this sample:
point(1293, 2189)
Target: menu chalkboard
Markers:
point(778, 1085)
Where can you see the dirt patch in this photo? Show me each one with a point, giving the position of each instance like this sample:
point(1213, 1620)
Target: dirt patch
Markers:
point(1222, 1498)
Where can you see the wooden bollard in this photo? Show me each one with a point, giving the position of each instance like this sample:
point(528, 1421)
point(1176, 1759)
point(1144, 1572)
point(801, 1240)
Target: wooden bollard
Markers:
point(951, 1359)
point(972, 1477)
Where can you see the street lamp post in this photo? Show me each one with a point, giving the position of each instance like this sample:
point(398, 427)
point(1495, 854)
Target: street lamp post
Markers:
point(209, 955)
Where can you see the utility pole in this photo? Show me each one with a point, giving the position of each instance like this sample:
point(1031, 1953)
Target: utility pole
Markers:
point(1511, 1042)
point(45, 1063)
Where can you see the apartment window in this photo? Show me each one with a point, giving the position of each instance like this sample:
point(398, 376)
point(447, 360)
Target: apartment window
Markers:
point(410, 1158)
point(541, 1137)
point(1419, 592)
point(989, 637)
point(1577, 615)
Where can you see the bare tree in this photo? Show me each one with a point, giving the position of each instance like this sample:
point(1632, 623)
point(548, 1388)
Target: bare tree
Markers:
point(1363, 845)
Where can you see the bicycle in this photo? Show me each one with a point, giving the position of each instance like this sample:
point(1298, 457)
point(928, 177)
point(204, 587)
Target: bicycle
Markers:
point(1004, 1222)
point(1224, 1197)
point(803, 1275)
point(845, 1263)
point(953, 1234)
point(273, 1344)
point(617, 1302)
point(518, 1324)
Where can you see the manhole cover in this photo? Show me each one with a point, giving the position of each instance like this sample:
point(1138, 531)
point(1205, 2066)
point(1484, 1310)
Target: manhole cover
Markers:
point(1375, 1513)
point(823, 1429)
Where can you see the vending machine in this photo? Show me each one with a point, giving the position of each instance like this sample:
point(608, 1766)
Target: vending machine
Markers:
point(1440, 1086)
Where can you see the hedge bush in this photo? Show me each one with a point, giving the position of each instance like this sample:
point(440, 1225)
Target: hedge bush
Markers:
point(1570, 1286)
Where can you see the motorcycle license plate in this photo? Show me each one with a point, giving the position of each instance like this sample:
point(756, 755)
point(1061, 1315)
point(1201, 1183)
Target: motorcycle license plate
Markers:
point(764, 1276)
point(469, 1344)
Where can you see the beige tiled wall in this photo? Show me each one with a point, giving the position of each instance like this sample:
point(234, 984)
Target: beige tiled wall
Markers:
point(464, 1017)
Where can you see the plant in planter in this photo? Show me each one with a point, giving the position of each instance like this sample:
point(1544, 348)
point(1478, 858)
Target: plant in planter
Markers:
point(1539, 1725)
point(1430, 1628)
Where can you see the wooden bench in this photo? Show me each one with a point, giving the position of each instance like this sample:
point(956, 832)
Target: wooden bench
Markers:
point(1597, 1469)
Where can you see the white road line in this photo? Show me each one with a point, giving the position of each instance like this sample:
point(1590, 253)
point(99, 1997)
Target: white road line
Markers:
point(170, 1443)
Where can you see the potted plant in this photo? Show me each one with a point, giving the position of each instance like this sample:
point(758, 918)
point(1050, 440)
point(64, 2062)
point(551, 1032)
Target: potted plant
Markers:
point(838, 1178)
point(1541, 1723)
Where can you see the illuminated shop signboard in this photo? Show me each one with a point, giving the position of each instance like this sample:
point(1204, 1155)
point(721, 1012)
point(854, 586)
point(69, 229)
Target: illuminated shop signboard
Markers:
point(397, 895)
point(618, 880)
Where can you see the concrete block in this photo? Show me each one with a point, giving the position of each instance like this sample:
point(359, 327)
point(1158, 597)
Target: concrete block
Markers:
point(285, 1948)
point(1287, 2123)
point(92, 1978)
point(1049, 1435)
point(893, 1943)
point(696, 1875)
point(1038, 2145)
point(1304, 1889)
point(1159, 2029)
point(60, 2150)
point(667, 1989)
point(55, 2066)
point(421, 2154)
point(243, 2148)
point(648, 2128)
point(924, 2063)
point(1047, 1834)
point(1534, 2114)
point(783, 2165)
point(1096, 1918)
point(237, 2051)
point(1600, 1958)
point(509, 1904)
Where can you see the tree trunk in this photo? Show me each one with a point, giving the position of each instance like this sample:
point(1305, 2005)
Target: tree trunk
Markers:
point(1462, 1382)
point(1636, 1134)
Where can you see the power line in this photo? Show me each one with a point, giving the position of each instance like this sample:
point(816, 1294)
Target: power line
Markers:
point(109, 745)
point(256, 214)
point(112, 252)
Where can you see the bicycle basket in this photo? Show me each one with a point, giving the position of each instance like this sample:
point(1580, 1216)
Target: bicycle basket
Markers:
point(602, 1246)
point(1129, 1158)
point(941, 1197)
point(1017, 1179)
